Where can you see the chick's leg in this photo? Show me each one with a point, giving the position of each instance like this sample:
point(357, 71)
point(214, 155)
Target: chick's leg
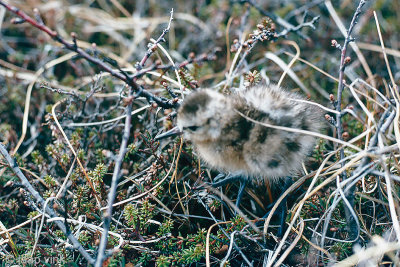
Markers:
point(283, 207)
point(243, 184)
point(230, 178)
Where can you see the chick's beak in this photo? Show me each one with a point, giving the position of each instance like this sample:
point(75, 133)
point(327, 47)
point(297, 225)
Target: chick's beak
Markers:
point(173, 132)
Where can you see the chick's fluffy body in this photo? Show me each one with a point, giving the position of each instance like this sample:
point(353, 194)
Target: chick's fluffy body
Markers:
point(229, 142)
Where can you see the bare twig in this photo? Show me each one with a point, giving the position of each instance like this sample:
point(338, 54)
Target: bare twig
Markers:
point(114, 184)
point(153, 47)
point(296, 29)
point(343, 62)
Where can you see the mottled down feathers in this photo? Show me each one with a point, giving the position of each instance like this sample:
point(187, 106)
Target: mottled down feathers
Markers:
point(229, 142)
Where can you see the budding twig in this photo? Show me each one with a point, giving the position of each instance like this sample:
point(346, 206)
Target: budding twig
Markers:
point(339, 128)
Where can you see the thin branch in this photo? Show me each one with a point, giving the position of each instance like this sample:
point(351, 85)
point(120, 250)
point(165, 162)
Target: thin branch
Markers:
point(310, 24)
point(114, 184)
point(153, 46)
point(343, 62)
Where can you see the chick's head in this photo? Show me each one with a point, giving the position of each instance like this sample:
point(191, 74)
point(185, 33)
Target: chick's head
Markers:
point(201, 114)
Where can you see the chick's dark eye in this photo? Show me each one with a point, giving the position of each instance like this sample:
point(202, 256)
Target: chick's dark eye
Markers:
point(192, 128)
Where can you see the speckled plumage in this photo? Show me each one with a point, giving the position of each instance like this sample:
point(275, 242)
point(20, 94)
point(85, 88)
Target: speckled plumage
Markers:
point(228, 142)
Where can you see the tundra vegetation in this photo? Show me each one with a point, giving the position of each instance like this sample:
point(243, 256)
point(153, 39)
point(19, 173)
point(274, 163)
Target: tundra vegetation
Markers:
point(85, 86)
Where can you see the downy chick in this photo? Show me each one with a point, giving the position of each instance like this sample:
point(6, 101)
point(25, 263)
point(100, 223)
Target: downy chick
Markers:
point(230, 143)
